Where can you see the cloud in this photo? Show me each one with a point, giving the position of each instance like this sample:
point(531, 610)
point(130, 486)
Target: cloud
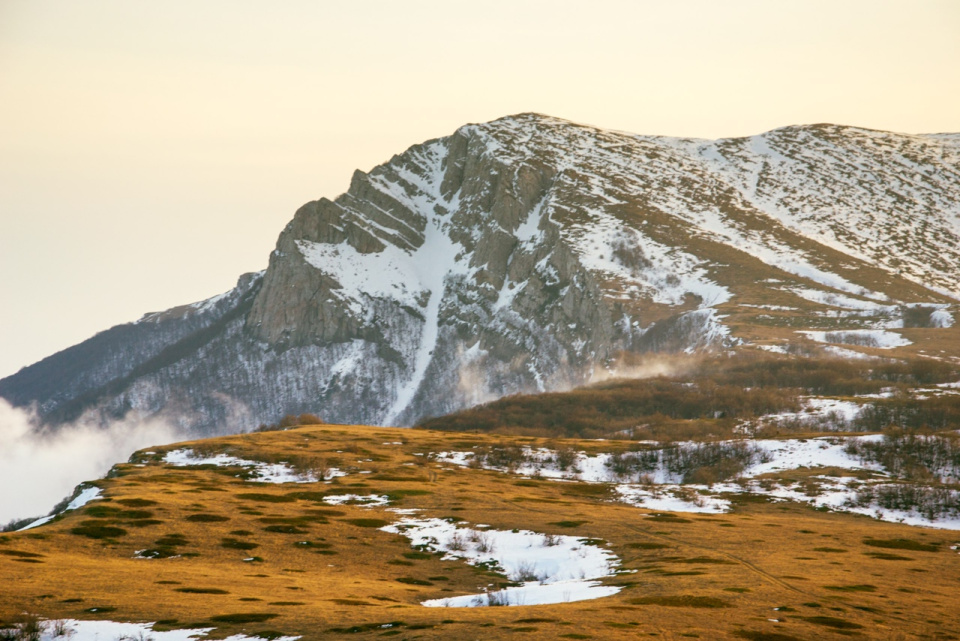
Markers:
point(38, 468)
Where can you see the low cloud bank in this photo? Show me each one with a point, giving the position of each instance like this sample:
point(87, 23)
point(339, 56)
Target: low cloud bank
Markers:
point(38, 469)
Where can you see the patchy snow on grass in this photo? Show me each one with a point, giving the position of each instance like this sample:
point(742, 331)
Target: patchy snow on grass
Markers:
point(263, 472)
point(75, 630)
point(86, 495)
point(776, 349)
point(886, 392)
point(843, 352)
point(662, 491)
point(770, 250)
point(819, 410)
point(792, 454)
point(923, 393)
point(840, 494)
point(863, 337)
point(369, 500)
point(673, 498)
point(453, 458)
point(834, 299)
point(549, 568)
point(778, 455)
point(540, 463)
point(775, 308)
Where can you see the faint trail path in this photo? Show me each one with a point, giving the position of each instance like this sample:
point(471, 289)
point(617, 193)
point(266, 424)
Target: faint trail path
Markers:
point(750, 566)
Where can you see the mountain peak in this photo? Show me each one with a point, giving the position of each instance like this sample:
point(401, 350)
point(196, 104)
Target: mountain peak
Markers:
point(530, 254)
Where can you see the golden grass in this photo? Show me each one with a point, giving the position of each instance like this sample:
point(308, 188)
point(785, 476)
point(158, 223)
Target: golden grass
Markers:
point(324, 572)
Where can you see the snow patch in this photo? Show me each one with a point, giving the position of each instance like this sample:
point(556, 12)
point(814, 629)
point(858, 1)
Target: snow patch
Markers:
point(106, 630)
point(368, 500)
point(664, 274)
point(833, 299)
point(776, 349)
point(673, 498)
point(85, 496)
point(840, 494)
point(941, 318)
point(765, 247)
point(390, 273)
point(843, 352)
point(792, 454)
point(552, 568)
point(877, 338)
point(263, 472)
point(818, 410)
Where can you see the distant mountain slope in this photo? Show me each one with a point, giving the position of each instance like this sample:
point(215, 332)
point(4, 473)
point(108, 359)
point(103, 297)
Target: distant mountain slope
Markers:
point(529, 254)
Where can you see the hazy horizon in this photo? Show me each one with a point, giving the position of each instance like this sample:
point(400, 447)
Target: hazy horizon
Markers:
point(151, 153)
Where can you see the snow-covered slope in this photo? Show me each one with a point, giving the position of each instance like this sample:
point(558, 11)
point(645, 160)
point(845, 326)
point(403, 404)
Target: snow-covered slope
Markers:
point(530, 253)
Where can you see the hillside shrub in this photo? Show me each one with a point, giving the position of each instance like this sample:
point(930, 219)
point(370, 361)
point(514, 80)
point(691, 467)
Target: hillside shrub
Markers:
point(911, 456)
point(931, 502)
point(713, 400)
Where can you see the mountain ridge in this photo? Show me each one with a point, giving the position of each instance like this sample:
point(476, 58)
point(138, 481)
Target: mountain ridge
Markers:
point(530, 253)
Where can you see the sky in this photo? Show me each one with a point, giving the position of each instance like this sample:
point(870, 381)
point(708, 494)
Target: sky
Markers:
point(151, 152)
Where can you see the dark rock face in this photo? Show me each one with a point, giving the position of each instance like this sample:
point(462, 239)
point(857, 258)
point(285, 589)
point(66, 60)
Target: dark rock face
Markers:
point(527, 254)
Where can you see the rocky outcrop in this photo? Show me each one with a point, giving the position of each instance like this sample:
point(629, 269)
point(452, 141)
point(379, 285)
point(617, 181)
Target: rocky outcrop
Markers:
point(527, 254)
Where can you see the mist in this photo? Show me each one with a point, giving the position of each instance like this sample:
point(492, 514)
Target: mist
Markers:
point(637, 366)
point(40, 468)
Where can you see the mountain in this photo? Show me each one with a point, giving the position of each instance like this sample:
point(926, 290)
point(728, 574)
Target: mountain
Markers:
point(533, 254)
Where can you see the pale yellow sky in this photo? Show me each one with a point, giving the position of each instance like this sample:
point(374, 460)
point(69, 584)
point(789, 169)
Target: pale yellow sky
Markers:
point(150, 152)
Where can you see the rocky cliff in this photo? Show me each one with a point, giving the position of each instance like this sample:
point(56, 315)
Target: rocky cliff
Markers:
point(530, 254)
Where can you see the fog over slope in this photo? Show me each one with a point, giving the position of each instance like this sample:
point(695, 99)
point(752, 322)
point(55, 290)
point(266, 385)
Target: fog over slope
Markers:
point(38, 469)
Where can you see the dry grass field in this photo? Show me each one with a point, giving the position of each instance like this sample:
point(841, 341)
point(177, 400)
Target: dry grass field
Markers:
point(264, 559)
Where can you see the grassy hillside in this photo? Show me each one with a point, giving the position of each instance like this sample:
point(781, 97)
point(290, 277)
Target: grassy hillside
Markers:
point(711, 397)
point(211, 546)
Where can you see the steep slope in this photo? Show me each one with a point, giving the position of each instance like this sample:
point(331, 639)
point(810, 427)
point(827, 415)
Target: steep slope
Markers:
point(529, 254)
